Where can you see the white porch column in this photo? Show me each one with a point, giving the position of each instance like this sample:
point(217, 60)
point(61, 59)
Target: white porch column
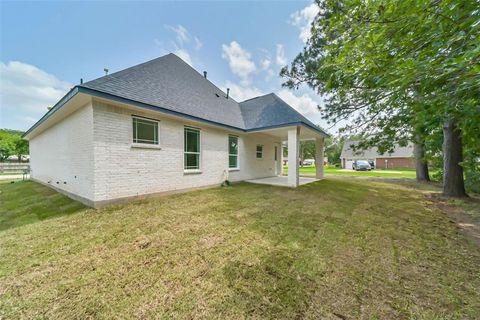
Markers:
point(319, 146)
point(280, 157)
point(293, 154)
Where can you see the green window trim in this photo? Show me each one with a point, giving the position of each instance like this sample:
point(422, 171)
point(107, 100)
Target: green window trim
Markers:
point(259, 151)
point(145, 131)
point(191, 150)
point(232, 152)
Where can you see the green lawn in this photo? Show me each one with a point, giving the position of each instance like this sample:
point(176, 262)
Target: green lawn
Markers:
point(28, 202)
point(337, 248)
point(329, 170)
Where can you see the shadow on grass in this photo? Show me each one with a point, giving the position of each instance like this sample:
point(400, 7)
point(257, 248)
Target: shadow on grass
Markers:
point(26, 202)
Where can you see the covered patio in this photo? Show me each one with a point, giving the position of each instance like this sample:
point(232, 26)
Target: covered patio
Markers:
point(293, 134)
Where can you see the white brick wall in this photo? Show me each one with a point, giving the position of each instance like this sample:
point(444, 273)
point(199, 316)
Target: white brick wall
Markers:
point(123, 171)
point(62, 155)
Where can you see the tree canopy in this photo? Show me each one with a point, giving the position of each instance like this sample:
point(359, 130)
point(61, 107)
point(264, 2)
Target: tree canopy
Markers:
point(11, 143)
point(397, 71)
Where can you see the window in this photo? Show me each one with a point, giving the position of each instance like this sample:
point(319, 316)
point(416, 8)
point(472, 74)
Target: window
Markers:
point(145, 131)
point(259, 151)
point(191, 149)
point(233, 152)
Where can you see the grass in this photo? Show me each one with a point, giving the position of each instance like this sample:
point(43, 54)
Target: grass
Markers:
point(330, 170)
point(336, 248)
point(28, 202)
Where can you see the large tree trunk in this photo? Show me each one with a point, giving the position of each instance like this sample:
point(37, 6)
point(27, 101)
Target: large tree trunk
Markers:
point(453, 184)
point(421, 166)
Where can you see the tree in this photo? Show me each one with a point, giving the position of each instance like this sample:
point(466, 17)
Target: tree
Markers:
point(333, 149)
point(21, 147)
point(307, 150)
point(397, 70)
point(7, 145)
point(12, 143)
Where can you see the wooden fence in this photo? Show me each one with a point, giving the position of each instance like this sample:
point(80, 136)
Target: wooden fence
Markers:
point(13, 167)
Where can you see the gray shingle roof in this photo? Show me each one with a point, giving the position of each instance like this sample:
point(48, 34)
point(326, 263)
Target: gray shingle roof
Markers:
point(270, 111)
point(371, 153)
point(170, 83)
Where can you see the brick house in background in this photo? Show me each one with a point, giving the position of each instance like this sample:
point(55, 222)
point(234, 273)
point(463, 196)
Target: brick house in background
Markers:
point(401, 158)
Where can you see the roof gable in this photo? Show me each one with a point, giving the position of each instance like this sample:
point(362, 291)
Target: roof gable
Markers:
point(268, 111)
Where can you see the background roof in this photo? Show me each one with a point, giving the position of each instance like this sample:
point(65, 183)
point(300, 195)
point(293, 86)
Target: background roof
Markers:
point(370, 153)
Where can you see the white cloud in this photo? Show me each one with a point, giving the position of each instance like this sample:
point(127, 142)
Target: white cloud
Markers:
point(304, 104)
point(184, 55)
point(181, 33)
point(242, 92)
point(239, 61)
point(198, 44)
point(269, 75)
point(280, 58)
point(25, 94)
point(303, 20)
point(265, 63)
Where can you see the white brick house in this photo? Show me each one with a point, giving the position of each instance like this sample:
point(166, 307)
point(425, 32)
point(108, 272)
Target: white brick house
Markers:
point(160, 127)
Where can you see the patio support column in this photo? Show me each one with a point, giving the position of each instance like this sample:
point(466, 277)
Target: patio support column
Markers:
point(280, 158)
point(319, 146)
point(293, 155)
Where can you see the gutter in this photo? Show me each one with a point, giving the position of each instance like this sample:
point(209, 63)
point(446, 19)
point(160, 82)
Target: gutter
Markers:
point(289, 124)
point(100, 94)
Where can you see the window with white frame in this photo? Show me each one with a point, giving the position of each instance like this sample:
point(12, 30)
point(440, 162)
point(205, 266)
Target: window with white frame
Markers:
point(259, 151)
point(233, 152)
point(145, 130)
point(191, 149)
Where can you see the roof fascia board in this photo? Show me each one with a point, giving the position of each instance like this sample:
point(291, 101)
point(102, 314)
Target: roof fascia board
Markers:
point(100, 94)
point(70, 94)
point(290, 124)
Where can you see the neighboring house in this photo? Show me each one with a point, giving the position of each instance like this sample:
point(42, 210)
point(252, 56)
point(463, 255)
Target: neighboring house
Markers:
point(311, 162)
point(158, 127)
point(402, 157)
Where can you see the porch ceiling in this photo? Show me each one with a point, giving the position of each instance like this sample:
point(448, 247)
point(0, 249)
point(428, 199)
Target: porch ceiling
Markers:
point(282, 133)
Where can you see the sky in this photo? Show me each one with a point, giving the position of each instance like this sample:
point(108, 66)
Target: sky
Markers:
point(46, 47)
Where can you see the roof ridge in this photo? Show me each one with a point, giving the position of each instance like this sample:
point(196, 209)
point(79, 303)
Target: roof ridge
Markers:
point(263, 95)
point(295, 110)
point(213, 84)
point(107, 77)
point(173, 54)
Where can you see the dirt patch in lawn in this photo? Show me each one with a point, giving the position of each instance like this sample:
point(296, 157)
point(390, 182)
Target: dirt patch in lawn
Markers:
point(463, 212)
point(462, 217)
